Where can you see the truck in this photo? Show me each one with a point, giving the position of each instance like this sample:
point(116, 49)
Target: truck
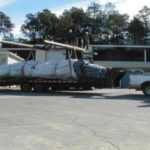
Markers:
point(140, 82)
point(39, 84)
point(56, 75)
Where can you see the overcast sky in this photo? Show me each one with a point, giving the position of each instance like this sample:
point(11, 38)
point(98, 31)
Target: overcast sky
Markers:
point(17, 9)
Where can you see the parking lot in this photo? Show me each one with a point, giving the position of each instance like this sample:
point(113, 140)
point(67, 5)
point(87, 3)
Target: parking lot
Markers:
point(107, 119)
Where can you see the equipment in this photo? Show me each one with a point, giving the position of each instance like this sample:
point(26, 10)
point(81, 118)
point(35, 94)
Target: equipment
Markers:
point(55, 74)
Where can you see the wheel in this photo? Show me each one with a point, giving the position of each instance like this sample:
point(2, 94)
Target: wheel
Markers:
point(64, 88)
point(26, 87)
point(46, 88)
point(55, 88)
point(146, 89)
point(87, 88)
point(38, 88)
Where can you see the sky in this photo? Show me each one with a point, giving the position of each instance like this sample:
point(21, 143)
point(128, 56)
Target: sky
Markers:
point(17, 9)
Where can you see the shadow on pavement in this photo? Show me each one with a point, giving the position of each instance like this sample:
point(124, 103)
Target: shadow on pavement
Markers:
point(73, 93)
point(81, 95)
point(144, 100)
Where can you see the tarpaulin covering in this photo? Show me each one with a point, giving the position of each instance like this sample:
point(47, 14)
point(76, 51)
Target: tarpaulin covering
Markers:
point(63, 69)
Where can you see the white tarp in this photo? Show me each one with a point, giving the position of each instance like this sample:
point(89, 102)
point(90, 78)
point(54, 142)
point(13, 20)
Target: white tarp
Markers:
point(46, 70)
point(4, 70)
point(16, 69)
point(50, 70)
point(54, 69)
point(63, 69)
point(28, 67)
point(13, 70)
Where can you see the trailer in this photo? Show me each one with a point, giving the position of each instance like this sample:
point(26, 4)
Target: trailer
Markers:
point(43, 85)
point(39, 84)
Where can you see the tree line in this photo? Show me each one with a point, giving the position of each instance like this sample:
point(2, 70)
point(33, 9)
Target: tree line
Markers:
point(98, 25)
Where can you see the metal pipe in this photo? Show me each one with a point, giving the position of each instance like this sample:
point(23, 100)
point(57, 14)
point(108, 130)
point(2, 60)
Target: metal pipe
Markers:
point(121, 46)
point(28, 47)
point(0, 40)
point(46, 41)
point(18, 44)
point(66, 46)
point(70, 66)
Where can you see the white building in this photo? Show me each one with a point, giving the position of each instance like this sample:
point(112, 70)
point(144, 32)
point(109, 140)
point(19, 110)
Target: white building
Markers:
point(50, 55)
point(9, 58)
point(40, 55)
point(121, 64)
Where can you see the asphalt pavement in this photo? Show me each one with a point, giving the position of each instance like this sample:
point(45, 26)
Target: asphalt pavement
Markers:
point(107, 119)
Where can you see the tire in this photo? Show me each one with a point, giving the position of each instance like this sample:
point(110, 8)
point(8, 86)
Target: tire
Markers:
point(46, 88)
point(65, 88)
point(26, 87)
point(38, 87)
point(55, 88)
point(146, 89)
point(88, 88)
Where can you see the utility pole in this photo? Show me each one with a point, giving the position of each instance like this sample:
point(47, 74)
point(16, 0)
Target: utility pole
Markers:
point(145, 55)
point(0, 40)
point(1, 33)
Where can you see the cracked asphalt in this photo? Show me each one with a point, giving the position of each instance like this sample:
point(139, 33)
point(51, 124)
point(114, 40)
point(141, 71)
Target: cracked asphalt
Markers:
point(107, 119)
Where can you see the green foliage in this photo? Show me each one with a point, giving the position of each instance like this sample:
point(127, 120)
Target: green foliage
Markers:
point(31, 27)
point(65, 23)
point(48, 24)
point(94, 9)
point(96, 20)
point(117, 24)
point(5, 25)
point(103, 23)
point(40, 26)
point(110, 9)
point(137, 30)
point(78, 16)
point(70, 23)
point(106, 24)
point(144, 16)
